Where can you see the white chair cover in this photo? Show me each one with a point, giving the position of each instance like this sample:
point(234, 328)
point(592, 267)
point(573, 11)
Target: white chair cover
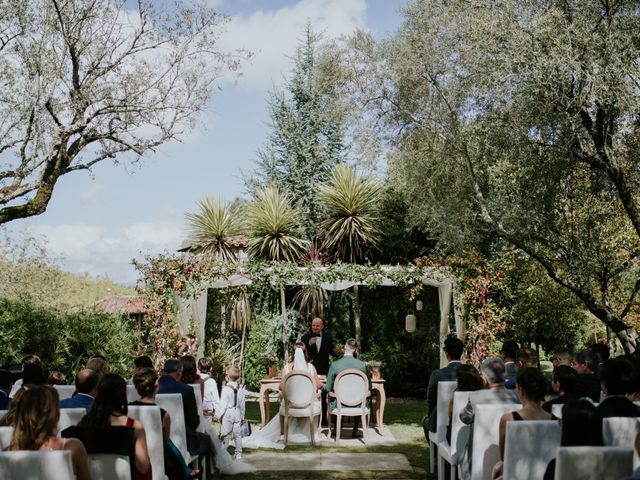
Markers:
point(351, 388)
point(622, 432)
point(556, 410)
point(454, 452)
point(197, 390)
point(445, 393)
point(486, 452)
point(299, 400)
point(149, 416)
point(132, 394)
point(70, 417)
point(172, 403)
point(32, 465)
point(105, 466)
point(587, 463)
point(65, 391)
point(5, 437)
point(529, 447)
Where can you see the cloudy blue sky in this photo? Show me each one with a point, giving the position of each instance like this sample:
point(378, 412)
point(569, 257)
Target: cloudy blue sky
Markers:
point(98, 222)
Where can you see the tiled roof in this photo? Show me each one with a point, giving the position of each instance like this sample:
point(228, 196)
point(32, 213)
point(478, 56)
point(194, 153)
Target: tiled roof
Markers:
point(130, 304)
point(237, 241)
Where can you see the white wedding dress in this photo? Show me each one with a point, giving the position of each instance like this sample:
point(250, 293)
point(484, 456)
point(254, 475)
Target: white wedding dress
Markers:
point(270, 436)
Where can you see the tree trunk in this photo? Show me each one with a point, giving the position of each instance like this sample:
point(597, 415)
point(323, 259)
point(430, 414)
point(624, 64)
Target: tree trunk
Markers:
point(242, 342)
point(356, 311)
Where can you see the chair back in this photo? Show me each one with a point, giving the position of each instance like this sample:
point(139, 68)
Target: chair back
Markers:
point(70, 417)
point(5, 437)
point(299, 389)
point(65, 391)
point(485, 437)
point(460, 432)
point(622, 432)
point(172, 403)
point(586, 463)
point(150, 418)
point(351, 387)
point(26, 464)
point(529, 447)
point(197, 391)
point(445, 394)
point(132, 394)
point(556, 410)
point(107, 466)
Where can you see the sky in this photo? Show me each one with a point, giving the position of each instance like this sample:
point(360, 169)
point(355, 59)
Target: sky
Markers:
point(98, 222)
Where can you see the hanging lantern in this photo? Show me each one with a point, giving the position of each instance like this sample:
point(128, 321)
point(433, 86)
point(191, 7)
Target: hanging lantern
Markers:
point(410, 322)
point(419, 305)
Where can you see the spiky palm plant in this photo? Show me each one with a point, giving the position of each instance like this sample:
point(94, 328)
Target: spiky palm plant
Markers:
point(211, 229)
point(350, 202)
point(274, 227)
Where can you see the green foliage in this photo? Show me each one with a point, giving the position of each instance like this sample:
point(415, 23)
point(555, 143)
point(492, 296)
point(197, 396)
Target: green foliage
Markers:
point(210, 229)
point(65, 340)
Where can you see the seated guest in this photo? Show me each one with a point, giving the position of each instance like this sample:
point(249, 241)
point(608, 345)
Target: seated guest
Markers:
point(531, 387)
point(190, 373)
point(57, 378)
point(581, 427)
point(211, 398)
point(565, 384)
point(35, 427)
point(109, 409)
point(636, 473)
point(453, 349)
point(525, 358)
point(98, 364)
point(562, 357)
point(634, 388)
point(469, 380)
point(141, 362)
point(26, 360)
point(6, 382)
point(601, 351)
point(615, 380)
point(508, 354)
point(33, 374)
point(86, 390)
point(586, 365)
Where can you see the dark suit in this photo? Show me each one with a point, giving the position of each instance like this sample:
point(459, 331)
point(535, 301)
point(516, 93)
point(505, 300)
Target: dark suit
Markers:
point(81, 400)
point(589, 386)
point(617, 407)
point(197, 443)
point(561, 400)
point(4, 400)
point(320, 359)
point(445, 374)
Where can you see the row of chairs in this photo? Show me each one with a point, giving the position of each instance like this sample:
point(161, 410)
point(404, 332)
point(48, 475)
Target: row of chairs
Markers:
point(529, 445)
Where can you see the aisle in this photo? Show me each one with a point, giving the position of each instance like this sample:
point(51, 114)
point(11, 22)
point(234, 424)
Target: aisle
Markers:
point(321, 460)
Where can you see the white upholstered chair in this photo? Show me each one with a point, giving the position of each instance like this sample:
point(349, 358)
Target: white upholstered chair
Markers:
point(453, 452)
point(172, 403)
point(622, 432)
point(5, 437)
point(529, 447)
point(587, 463)
point(65, 391)
point(300, 399)
point(70, 417)
point(445, 394)
point(350, 389)
point(31, 465)
point(485, 438)
point(149, 416)
point(106, 466)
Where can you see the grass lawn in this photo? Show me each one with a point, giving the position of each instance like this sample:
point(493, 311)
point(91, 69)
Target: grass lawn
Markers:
point(403, 419)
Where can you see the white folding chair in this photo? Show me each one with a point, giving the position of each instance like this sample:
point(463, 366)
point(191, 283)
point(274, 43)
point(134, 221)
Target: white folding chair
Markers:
point(32, 465)
point(65, 391)
point(172, 403)
point(300, 399)
point(70, 417)
point(350, 389)
point(556, 410)
point(5, 437)
point(529, 447)
point(197, 390)
point(453, 452)
point(445, 394)
point(485, 450)
point(132, 394)
point(622, 432)
point(587, 463)
point(149, 416)
point(106, 466)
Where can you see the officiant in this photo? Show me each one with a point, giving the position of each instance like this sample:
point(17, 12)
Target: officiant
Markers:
point(320, 346)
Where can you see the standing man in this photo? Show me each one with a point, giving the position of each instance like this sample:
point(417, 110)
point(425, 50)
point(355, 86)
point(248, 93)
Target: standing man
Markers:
point(319, 346)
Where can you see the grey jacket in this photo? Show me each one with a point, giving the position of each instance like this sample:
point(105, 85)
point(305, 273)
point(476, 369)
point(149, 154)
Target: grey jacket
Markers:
point(492, 395)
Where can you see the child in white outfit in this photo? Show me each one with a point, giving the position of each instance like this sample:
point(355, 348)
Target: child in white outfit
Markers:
point(232, 410)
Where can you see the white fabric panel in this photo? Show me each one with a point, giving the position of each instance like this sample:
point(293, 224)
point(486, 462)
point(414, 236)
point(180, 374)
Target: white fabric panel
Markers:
point(445, 394)
point(197, 391)
point(5, 437)
point(486, 452)
point(622, 432)
point(151, 420)
point(529, 447)
point(444, 298)
point(29, 465)
point(109, 467)
point(556, 410)
point(65, 391)
point(70, 417)
point(588, 463)
point(172, 403)
point(454, 453)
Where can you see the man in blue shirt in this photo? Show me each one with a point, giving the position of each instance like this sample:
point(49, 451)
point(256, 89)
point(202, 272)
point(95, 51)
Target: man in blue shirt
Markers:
point(5, 388)
point(86, 389)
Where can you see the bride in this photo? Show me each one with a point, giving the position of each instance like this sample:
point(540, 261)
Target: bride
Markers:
point(271, 435)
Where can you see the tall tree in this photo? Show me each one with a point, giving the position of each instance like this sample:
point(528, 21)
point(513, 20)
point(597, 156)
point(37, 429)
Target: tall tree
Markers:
point(306, 140)
point(83, 81)
point(520, 127)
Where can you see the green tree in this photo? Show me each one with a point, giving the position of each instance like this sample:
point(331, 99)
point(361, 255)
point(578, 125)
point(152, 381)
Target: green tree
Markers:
point(86, 81)
point(519, 129)
point(306, 138)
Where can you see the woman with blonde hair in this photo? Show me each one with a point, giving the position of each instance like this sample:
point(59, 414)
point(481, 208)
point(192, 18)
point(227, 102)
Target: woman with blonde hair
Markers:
point(35, 426)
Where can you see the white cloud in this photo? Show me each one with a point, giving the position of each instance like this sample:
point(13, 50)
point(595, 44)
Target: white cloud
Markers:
point(98, 250)
point(91, 194)
point(272, 36)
